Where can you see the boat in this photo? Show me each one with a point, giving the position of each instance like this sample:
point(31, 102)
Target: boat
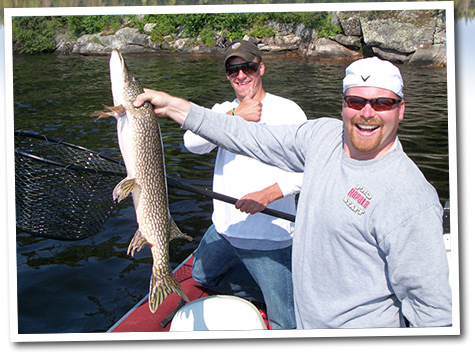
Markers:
point(140, 319)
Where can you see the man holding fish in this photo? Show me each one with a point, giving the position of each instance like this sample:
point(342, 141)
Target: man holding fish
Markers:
point(368, 250)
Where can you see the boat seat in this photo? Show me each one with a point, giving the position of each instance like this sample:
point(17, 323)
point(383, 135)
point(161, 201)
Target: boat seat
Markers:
point(219, 312)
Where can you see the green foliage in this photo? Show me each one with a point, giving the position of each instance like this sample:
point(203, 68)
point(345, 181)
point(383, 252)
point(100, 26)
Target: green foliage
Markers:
point(326, 28)
point(80, 25)
point(164, 25)
point(320, 21)
point(207, 35)
point(262, 31)
point(232, 25)
point(34, 34)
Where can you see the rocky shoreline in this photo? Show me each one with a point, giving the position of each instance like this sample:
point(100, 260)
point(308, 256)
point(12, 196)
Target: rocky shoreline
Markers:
point(406, 37)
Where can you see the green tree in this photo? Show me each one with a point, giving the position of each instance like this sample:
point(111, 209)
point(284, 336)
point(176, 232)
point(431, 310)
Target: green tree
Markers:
point(34, 34)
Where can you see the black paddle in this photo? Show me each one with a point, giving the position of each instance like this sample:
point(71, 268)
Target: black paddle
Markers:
point(184, 186)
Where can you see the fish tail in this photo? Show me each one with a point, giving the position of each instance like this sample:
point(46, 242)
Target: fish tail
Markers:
point(161, 285)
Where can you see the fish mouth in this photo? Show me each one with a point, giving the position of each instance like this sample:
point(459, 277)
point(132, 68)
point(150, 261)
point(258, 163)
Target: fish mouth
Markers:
point(118, 76)
point(117, 63)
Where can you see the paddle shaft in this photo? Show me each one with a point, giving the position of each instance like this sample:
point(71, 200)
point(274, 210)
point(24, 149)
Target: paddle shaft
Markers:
point(184, 186)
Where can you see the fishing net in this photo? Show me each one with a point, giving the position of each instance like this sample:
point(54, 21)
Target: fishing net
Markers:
point(62, 191)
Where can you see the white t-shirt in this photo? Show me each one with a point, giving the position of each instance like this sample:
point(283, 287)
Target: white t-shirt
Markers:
point(237, 175)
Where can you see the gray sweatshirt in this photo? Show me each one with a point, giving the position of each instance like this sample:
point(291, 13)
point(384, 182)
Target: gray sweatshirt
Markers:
point(368, 246)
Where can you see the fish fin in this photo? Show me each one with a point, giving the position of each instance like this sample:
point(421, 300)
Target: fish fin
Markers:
point(136, 244)
point(175, 232)
point(118, 110)
point(161, 285)
point(115, 112)
point(123, 189)
point(102, 114)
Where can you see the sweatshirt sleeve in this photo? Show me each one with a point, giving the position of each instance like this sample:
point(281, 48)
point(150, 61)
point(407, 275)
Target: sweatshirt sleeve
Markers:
point(280, 145)
point(198, 145)
point(290, 183)
point(418, 269)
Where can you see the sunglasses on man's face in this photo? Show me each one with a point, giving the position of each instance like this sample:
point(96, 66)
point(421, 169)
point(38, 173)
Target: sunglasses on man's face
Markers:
point(247, 68)
point(379, 104)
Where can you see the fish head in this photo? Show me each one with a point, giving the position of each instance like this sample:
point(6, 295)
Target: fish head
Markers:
point(125, 86)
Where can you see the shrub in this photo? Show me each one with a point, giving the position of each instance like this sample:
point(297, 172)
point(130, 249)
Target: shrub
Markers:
point(80, 25)
point(262, 31)
point(207, 35)
point(321, 21)
point(34, 34)
point(164, 25)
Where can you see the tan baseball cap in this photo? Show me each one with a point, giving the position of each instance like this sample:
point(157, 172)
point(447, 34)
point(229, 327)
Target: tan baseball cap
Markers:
point(243, 49)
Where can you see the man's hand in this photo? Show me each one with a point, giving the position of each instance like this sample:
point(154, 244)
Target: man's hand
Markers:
point(164, 104)
point(250, 109)
point(257, 201)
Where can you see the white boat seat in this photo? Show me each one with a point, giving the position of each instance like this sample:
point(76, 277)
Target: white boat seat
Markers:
point(219, 312)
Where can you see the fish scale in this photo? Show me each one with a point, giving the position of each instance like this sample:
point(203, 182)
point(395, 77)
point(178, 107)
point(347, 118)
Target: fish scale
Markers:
point(141, 147)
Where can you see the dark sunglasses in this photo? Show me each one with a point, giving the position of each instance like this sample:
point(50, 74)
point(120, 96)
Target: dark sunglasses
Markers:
point(379, 104)
point(247, 68)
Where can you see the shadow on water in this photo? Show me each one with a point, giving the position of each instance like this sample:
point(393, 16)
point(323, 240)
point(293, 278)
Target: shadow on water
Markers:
point(87, 285)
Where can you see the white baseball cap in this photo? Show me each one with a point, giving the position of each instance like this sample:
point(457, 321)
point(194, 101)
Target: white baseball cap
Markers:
point(374, 72)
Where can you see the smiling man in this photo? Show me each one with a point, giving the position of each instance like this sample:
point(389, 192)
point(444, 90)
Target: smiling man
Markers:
point(372, 109)
point(368, 248)
point(245, 253)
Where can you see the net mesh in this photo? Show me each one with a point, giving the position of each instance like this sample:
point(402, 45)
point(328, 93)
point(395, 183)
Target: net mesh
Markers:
point(62, 191)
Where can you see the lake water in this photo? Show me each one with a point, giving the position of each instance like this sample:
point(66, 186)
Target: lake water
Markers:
point(87, 285)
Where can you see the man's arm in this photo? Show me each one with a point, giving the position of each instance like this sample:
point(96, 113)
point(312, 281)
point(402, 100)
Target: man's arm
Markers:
point(418, 269)
point(262, 142)
point(257, 201)
point(165, 105)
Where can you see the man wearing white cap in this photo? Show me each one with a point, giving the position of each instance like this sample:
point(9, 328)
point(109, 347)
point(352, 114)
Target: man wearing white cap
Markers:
point(368, 250)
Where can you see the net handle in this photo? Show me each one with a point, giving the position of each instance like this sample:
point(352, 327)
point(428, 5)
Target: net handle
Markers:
point(170, 181)
point(61, 141)
point(69, 166)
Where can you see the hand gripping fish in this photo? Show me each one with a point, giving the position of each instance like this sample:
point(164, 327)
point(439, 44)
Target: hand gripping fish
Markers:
point(140, 144)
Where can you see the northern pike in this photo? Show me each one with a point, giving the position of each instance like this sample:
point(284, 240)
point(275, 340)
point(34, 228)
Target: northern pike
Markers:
point(141, 147)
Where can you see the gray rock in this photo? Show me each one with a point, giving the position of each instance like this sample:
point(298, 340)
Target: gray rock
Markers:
point(303, 32)
point(391, 55)
point(350, 22)
point(127, 40)
point(401, 31)
point(326, 48)
point(351, 42)
point(432, 56)
point(148, 27)
point(64, 44)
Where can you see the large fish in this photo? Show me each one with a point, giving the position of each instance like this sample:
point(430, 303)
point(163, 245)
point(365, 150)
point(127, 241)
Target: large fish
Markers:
point(140, 144)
